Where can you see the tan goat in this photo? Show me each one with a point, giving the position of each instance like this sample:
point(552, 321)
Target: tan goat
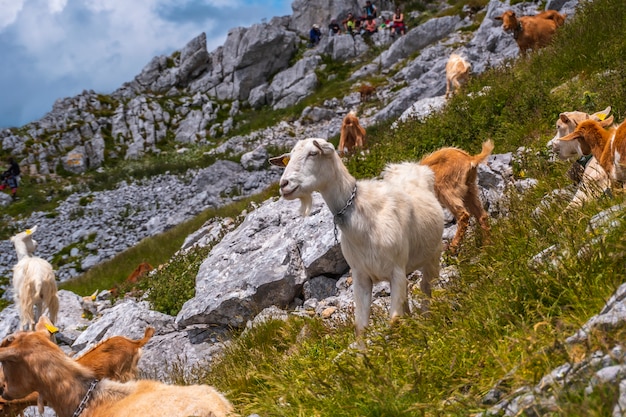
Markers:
point(456, 175)
point(530, 32)
point(115, 358)
point(31, 362)
point(457, 72)
point(352, 134)
point(607, 146)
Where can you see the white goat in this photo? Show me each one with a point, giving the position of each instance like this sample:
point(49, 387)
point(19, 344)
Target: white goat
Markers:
point(31, 362)
point(594, 180)
point(389, 227)
point(34, 284)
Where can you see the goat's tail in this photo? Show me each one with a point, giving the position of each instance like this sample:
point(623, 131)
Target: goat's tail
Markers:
point(484, 154)
point(146, 337)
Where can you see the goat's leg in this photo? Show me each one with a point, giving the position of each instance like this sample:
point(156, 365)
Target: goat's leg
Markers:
point(475, 206)
point(362, 287)
point(447, 87)
point(399, 300)
point(452, 202)
point(53, 308)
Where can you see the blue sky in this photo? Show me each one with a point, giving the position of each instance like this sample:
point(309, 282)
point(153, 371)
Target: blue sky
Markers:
point(53, 49)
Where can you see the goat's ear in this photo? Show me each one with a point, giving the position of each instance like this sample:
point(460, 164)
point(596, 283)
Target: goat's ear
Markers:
point(280, 161)
point(564, 118)
point(31, 230)
point(7, 353)
point(325, 147)
point(45, 326)
point(601, 115)
point(606, 122)
point(571, 136)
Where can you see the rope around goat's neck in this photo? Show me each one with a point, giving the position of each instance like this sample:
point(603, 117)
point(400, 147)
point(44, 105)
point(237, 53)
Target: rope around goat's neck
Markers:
point(341, 212)
point(83, 404)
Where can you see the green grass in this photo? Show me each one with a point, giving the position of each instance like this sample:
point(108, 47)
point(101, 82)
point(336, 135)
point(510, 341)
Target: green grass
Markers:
point(503, 321)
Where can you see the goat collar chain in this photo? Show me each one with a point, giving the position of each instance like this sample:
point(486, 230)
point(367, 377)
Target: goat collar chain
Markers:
point(86, 398)
point(338, 217)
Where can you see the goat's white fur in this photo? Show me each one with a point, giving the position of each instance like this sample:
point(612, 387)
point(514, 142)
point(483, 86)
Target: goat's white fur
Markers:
point(34, 283)
point(393, 227)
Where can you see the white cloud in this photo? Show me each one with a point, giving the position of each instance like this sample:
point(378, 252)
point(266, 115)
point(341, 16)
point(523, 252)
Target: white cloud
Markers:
point(9, 9)
point(56, 6)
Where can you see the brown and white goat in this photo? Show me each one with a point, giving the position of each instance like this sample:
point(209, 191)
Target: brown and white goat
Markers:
point(530, 32)
point(352, 134)
point(115, 358)
point(607, 146)
point(457, 72)
point(31, 362)
point(591, 178)
point(366, 91)
point(456, 176)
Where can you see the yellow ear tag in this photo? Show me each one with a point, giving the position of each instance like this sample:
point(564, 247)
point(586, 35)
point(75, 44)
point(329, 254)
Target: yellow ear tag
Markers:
point(601, 116)
point(51, 328)
point(285, 160)
point(28, 231)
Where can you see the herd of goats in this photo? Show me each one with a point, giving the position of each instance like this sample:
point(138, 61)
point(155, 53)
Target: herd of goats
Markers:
point(389, 226)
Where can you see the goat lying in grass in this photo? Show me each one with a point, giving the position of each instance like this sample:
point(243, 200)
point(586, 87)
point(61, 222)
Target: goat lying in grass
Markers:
point(34, 284)
point(607, 146)
point(456, 176)
point(31, 362)
point(115, 358)
point(587, 172)
point(389, 227)
point(352, 134)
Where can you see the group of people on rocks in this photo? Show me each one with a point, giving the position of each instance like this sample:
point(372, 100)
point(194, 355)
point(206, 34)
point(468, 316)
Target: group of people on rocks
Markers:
point(365, 24)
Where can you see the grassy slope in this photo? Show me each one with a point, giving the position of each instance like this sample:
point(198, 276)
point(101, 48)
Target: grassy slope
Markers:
point(501, 322)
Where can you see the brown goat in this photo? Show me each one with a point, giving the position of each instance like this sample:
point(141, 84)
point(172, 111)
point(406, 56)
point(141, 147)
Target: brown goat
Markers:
point(352, 134)
point(115, 358)
point(32, 362)
point(457, 72)
point(530, 32)
point(456, 175)
point(607, 146)
point(557, 17)
point(366, 91)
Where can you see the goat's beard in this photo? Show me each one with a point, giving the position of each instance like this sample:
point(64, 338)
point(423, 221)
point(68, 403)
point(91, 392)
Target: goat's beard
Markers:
point(306, 203)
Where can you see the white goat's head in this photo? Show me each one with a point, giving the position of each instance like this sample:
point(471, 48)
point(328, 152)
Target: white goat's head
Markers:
point(24, 243)
point(566, 124)
point(308, 167)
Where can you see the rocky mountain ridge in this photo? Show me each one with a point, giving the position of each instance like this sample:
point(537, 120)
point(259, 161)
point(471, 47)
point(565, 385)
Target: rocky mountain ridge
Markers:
point(305, 274)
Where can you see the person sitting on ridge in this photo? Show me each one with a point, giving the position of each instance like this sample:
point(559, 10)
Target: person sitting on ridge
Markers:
point(10, 177)
point(349, 24)
point(314, 35)
point(334, 28)
point(398, 26)
point(370, 10)
point(370, 26)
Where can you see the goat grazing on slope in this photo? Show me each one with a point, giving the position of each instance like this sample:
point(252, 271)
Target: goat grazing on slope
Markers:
point(586, 171)
point(456, 175)
point(389, 227)
point(34, 283)
point(457, 72)
point(352, 134)
point(366, 91)
point(607, 146)
point(530, 32)
point(115, 358)
point(31, 362)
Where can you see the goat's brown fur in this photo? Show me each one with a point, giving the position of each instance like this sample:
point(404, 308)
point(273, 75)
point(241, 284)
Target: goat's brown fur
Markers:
point(607, 146)
point(366, 91)
point(456, 175)
point(530, 32)
point(115, 358)
point(352, 134)
point(31, 362)
point(557, 17)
